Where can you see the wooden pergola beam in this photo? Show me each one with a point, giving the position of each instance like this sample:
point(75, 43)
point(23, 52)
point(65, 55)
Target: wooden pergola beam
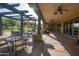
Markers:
point(5, 13)
point(14, 10)
point(14, 5)
point(10, 17)
point(10, 8)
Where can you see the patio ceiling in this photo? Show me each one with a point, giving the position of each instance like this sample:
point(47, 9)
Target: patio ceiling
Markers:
point(48, 10)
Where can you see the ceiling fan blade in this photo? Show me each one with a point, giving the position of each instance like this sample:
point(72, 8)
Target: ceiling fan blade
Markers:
point(60, 9)
point(61, 12)
point(56, 12)
point(65, 10)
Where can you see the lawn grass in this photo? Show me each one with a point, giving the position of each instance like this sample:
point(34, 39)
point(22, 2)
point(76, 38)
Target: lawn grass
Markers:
point(26, 29)
point(7, 30)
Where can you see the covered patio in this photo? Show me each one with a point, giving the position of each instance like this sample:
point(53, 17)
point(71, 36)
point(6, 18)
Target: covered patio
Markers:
point(38, 42)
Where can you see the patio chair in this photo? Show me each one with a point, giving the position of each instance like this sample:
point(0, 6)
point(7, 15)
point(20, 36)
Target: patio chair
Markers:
point(14, 33)
point(20, 46)
point(3, 48)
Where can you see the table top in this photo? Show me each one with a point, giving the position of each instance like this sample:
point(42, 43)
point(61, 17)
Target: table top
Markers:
point(13, 38)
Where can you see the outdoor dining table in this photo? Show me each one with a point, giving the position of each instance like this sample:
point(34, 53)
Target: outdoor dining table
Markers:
point(11, 43)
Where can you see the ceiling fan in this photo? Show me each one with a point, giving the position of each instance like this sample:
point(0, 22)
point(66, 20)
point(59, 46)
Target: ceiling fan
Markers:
point(60, 9)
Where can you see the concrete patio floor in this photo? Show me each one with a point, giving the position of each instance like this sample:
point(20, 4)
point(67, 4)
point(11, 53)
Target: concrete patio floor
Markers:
point(61, 45)
point(56, 45)
point(53, 44)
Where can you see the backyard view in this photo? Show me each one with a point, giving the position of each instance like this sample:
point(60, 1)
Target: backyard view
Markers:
point(10, 25)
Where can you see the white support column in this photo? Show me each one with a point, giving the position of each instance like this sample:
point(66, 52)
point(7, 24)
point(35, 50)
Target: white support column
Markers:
point(62, 28)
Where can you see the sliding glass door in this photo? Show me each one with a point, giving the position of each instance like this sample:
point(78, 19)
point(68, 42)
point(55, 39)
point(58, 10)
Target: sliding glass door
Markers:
point(71, 27)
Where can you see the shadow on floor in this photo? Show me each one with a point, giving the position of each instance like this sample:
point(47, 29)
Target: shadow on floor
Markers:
point(40, 49)
point(4, 51)
point(46, 45)
point(37, 50)
point(68, 44)
point(8, 51)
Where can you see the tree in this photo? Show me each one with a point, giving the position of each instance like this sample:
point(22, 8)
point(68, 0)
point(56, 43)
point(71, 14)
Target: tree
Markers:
point(9, 23)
